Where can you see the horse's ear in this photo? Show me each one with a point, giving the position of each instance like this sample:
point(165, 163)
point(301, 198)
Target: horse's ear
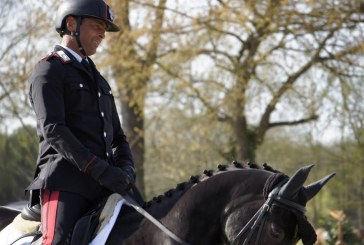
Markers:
point(295, 183)
point(312, 189)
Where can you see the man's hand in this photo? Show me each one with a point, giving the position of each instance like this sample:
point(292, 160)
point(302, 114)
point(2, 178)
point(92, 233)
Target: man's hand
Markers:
point(115, 179)
point(130, 171)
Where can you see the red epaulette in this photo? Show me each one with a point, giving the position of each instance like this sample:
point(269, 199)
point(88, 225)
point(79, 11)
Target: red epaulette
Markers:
point(59, 54)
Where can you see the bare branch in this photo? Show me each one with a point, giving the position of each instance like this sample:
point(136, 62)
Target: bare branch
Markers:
point(293, 123)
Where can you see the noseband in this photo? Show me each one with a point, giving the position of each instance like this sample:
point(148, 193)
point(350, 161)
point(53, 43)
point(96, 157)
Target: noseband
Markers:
point(259, 218)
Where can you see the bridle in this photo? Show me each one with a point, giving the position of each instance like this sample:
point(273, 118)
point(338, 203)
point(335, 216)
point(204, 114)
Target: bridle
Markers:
point(259, 218)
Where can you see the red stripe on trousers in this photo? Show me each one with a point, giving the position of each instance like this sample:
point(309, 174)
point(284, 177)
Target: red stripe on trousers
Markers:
point(49, 215)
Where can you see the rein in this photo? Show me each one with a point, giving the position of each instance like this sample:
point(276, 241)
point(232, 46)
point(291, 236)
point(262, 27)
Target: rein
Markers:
point(259, 218)
point(140, 210)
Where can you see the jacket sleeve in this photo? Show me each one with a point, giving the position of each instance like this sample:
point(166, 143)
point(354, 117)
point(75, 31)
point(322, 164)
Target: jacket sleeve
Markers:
point(47, 98)
point(122, 153)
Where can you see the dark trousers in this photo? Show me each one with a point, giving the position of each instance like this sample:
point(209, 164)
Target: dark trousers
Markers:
point(60, 212)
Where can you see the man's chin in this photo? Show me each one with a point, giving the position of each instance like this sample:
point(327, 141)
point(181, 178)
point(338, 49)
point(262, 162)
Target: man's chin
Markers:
point(90, 53)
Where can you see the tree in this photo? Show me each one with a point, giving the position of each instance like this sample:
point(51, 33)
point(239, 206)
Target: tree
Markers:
point(262, 65)
point(133, 69)
point(250, 65)
point(18, 53)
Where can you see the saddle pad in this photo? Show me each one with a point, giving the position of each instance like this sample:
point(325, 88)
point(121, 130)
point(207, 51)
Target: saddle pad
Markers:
point(10, 233)
point(107, 218)
point(25, 226)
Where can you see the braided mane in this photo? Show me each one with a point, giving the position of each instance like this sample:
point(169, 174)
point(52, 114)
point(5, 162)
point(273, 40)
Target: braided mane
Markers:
point(195, 179)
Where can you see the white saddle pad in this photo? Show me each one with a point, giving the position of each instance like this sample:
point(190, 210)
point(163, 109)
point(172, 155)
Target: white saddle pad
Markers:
point(107, 218)
point(10, 233)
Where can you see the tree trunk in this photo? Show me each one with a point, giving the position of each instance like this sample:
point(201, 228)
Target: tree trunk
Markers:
point(133, 125)
point(245, 143)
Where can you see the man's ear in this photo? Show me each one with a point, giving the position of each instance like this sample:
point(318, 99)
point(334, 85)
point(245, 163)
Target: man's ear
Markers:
point(71, 23)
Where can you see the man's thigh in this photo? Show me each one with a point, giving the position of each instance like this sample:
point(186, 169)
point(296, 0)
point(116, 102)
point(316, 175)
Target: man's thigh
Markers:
point(60, 212)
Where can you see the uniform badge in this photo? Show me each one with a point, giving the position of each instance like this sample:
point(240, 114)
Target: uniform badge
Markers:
point(60, 54)
point(63, 56)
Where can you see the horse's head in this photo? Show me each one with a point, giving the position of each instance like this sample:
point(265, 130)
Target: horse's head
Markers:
point(281, 218)
point(240, 204)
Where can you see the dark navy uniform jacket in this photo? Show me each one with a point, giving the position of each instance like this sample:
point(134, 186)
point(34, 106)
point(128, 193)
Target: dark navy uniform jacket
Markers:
point(77, 122)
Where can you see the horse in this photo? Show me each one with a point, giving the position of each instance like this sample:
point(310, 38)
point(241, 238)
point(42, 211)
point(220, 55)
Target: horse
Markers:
point(7, 215)
point(233, 204)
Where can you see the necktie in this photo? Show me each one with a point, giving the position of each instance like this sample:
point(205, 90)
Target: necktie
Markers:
point(87, 65)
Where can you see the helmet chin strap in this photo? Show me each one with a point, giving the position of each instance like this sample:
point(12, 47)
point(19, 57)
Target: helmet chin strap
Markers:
point(77, 35)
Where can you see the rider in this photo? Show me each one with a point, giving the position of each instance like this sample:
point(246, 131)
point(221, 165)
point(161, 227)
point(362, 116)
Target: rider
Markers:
point(83, 152)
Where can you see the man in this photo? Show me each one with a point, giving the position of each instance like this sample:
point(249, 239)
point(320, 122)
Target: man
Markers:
point(83, 152)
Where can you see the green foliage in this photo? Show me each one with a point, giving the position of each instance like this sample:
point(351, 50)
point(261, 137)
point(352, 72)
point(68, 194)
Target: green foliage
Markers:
point(288, 150)
point(18, 153)
point(331, 225)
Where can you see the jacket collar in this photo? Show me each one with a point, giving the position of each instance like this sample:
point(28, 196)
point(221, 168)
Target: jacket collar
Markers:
point(77, 63)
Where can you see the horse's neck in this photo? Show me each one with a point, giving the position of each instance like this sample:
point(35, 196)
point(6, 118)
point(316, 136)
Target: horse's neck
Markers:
point(206, 206)
point(7, 215)
point(198, 212)
point(221, 192)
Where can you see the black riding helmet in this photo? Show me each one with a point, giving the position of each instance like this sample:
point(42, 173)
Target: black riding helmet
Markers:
point(84, 8)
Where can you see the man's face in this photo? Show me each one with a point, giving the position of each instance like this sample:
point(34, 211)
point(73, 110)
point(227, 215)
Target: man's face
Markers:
point(92, 33)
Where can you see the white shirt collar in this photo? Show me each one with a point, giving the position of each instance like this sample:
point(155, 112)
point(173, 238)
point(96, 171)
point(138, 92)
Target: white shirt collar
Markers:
point(77, 56)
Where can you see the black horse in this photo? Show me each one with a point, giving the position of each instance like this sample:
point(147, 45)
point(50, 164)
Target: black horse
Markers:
point(7, 215)
point(235, 204)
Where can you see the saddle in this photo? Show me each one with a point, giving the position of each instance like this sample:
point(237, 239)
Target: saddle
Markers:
point(87, 227)
point(27, 223)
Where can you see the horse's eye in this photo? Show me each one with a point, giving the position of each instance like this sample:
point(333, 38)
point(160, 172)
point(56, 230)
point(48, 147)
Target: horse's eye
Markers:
point(276, 232)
